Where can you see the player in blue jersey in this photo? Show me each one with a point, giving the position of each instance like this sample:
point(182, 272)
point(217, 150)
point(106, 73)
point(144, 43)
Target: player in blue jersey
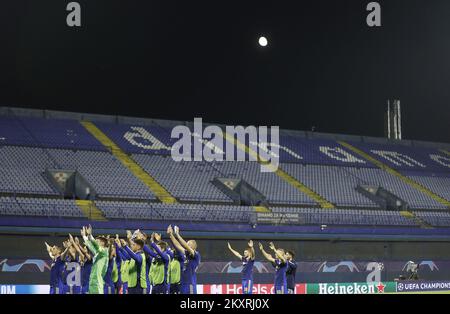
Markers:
point(111, 270)
point(177, 263)
point(118, 283)
point(86, 265)
point(280, 264)
point(137, 272)
point(85, 261)
point(193, 259)
point(159, 269)
point(150, 254)
point(248, 260)
point(86, 268)
point(291, 270)
point(124, 265)
point(72, 269)
point(66, 258)
point(56, 270)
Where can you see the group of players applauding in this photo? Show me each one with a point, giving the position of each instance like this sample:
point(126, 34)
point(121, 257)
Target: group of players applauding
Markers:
point(137, 264)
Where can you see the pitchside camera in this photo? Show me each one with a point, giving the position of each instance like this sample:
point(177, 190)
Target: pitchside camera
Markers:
point(412, 270)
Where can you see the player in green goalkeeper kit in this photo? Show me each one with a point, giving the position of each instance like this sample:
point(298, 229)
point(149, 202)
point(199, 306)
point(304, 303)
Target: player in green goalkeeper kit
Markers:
point(99, 249)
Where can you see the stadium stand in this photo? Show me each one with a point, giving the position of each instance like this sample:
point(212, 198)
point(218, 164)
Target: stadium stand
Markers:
point(326, 165)
point(104, 172)
point(49, 207)
point(60, 133)
point(415, 198)
point(273, 187)
point(22, 170)
point(39, 207)
point(438, 219)
point(13, 133)
point(139, 139)
point(50, 133)
point(10, 207)
point(438, 183)
point(175, 212)
point(325, 179)
point(189, 181)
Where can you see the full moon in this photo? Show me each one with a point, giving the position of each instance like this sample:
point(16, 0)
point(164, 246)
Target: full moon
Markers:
point(262, 41)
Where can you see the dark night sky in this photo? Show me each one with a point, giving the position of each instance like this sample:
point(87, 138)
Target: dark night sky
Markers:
point(170, 59)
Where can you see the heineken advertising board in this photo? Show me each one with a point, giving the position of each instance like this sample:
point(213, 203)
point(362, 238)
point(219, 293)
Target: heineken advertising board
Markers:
point(24, 289)
point(310, 288)
point(351, 288)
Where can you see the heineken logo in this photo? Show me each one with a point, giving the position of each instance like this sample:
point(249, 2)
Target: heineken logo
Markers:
point(380, 287)
point(347, 288)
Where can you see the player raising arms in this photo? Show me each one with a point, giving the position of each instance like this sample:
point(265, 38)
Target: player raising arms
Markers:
point(193, 258)
point(86, 268)
point(248, 260)
point(123, 265)
point(280, 264)
point(72, 271)
point(111, 270)
point(160, 264)
point(56, 270)
point(290, 272)
point(66, 257)
point(85, 260)
point(138, 234)
point(99, 249)
point(137, 269)
point(177, 263)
